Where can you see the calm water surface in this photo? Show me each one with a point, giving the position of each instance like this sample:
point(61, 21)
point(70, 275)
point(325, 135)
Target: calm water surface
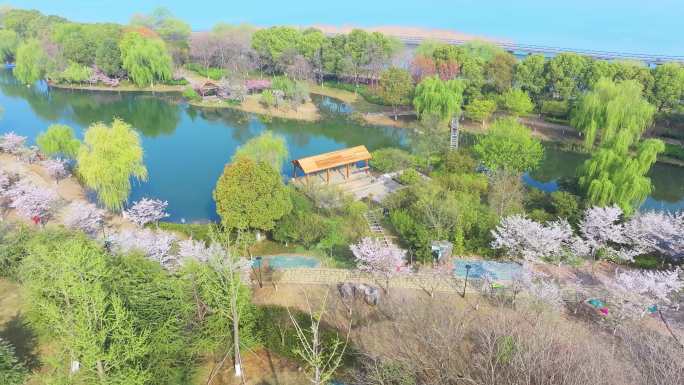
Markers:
point(186, 148)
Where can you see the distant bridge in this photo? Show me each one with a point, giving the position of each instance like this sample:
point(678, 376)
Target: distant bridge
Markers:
point(528, 49)
point(519, 49)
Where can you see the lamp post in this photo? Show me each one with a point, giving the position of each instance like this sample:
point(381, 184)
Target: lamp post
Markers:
point(465, 284)
point(261, 283)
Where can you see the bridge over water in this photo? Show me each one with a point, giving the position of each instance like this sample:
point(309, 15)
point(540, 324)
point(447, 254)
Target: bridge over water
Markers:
point(520, 49)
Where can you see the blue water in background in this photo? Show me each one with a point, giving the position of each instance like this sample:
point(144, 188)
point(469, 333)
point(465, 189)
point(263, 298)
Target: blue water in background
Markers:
point(614, 25)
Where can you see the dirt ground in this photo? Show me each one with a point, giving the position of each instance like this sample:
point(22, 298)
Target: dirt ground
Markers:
point(261, 367)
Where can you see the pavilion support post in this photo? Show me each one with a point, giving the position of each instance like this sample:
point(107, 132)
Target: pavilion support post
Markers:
point(294, 171)
point(347, 170)
point(367, 170)
point(327, 176)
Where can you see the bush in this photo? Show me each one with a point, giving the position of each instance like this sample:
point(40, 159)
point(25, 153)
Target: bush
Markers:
point(391, 159)
point(557, 109)
point(674, 151)
point(648, 262)
point(190, 94)
point(211, 73)
point(198, 231)
point(12, 372)
point(74, 73)
point(267, 99)
point(13, 249)
point(366, 92)
point(409, 177)
point(284, 84)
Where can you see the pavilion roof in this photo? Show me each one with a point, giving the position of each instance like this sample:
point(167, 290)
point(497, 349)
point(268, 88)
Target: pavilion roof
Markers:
point(333, 159)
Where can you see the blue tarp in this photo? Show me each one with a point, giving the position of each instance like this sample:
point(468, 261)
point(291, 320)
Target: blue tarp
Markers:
point(501, 271)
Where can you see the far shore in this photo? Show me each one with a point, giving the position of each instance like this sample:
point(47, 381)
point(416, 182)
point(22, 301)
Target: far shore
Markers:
point(308, 112)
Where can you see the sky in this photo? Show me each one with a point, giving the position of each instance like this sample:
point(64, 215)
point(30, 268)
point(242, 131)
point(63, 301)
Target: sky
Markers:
point(639, 26)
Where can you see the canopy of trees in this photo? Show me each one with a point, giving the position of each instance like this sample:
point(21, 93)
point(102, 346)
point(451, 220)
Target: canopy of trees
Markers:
point(145, 59)
point(509, 146)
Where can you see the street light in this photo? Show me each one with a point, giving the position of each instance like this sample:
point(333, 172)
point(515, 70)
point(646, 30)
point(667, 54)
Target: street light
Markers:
point(465, 284)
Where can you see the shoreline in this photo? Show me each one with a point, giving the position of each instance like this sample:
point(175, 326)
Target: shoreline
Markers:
point(548, 132)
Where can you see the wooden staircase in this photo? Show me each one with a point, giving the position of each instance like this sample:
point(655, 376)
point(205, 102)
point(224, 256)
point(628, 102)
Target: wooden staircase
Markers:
point(453, 143)
point(376, 228)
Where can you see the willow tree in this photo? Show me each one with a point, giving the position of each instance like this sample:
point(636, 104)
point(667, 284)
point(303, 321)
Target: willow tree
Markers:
point(267, 147)
point(434, 96)
point(614, 114)
point(58, 139)
point(109, 157)
point(612, 177)
point(145, 59)
point(31, 62)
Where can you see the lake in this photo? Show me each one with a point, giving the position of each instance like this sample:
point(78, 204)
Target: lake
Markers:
point(186, 148)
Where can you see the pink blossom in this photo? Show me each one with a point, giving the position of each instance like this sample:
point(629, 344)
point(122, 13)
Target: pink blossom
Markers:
point(146, 210)
point(11, 142)
point(56, 168)
point(156, 245)
point(84, 216)
point(523, 237)
point(374, 257)
point(657, 232)
point(32, 201)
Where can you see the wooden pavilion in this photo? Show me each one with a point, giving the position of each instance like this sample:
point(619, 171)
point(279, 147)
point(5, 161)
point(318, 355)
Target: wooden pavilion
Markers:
point(332, 161)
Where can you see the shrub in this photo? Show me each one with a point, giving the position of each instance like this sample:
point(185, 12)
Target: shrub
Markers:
point(391, 159)
point(267, 99)
point(13, 249)
point(74, 73)
point(190, 94)
point(674, 151)
point(409, 177)
point(557, 109)
point(211, 73)
point(12, 372)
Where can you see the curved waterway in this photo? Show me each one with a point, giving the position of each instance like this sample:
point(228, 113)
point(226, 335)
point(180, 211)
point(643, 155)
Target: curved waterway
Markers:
point(186, 148)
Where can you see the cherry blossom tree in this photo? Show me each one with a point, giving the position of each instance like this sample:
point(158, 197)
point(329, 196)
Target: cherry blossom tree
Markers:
point(156, 245)
point(376, 258)
point(32, 202)
point(198, 250)
point(56, 168)
point(657, 232)
point(602, 232)
point(84, 216)
point(146, 210)
point(541, 288)
point(522, 237)
point(645, 291)
point(12, 143)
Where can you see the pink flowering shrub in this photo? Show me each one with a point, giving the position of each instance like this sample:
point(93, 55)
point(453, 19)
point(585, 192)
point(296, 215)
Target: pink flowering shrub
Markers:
point(84, 216)
point(12, 143)
point(155, 245)
point(146, 210)
point(522, 237)
point(56, 168)
point(32, 202)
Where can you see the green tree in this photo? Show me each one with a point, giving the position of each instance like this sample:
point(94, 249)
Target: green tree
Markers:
point(480, 110)
point(73, 73)
point(509, 146)
point(517, 102)
point(615, 113)
point(272, 43)
point(251, 195)
point(395, 89)
point(12, 372)
point(499, 71)
point(108, 56)
point(89, 324)
point(668, 90)
point(528, 74)
point(435, 97)
point(565, 74)
point(109, 157)
point(8, 45)
point(615, 177)
point(175, 32)
point(31, 62)
point(58, 139)
point(267, 147)
point(145, 59)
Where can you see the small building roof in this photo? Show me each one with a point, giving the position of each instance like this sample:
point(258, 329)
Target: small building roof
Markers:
point(333, 159)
